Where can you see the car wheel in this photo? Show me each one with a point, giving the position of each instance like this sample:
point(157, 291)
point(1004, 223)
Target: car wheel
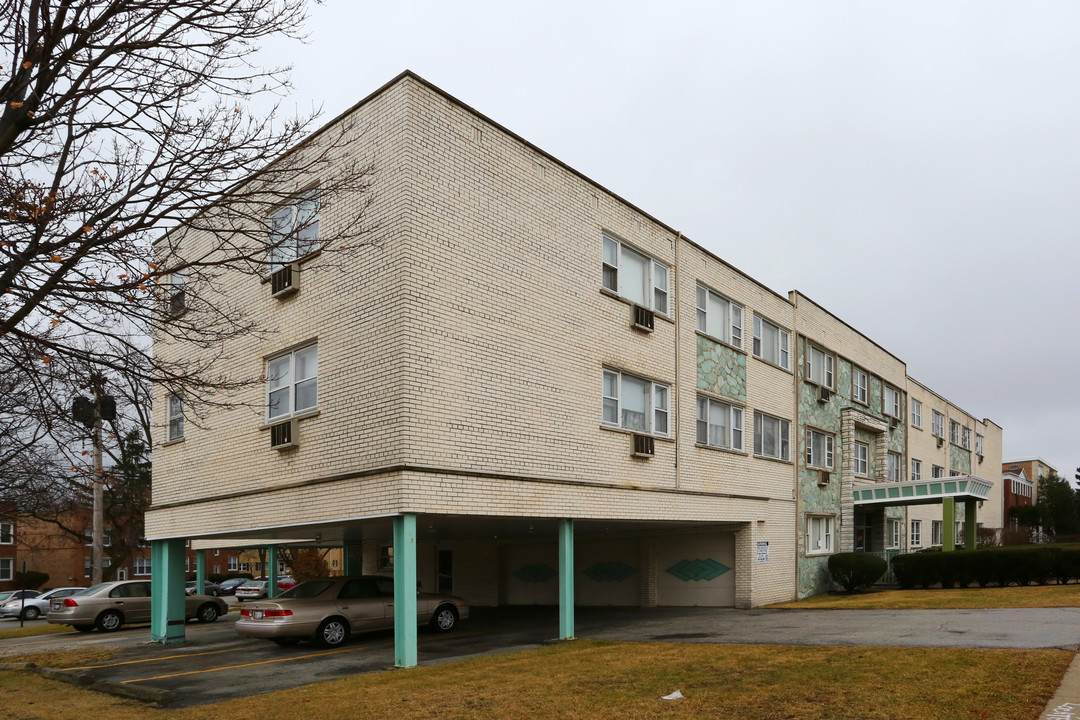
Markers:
point(208, 613)
point(109, 620)
point(83, 628)
point(445, 618)
point(286, 642)
point(31, 613)
point(333, 632)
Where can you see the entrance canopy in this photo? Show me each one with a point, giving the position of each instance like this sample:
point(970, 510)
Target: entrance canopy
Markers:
point(922, 492)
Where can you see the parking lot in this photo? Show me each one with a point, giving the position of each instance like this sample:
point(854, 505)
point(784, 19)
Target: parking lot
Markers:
point(216, 664)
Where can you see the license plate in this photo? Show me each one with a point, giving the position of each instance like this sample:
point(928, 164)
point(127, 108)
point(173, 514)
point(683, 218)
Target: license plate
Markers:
point(257, 614)
point(57, 605)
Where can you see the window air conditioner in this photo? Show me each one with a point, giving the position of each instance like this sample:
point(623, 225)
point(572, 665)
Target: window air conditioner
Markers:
point(940, 441)
point(285, 435)
point(285, 281)
point(643, 319)
point(824, 477)
point(644, 446)
point(824, 394)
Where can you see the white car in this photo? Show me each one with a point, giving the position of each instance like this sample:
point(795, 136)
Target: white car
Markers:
point(35, 607)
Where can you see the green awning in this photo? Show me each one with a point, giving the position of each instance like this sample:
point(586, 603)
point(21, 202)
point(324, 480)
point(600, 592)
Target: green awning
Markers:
point(922, 492)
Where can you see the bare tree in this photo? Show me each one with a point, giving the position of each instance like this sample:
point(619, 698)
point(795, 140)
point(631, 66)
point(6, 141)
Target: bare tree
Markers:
point(125, 126)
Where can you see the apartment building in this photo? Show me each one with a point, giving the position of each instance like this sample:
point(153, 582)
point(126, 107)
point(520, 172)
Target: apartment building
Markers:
point(530, 392)
point(9, 555)
point(1033, 468)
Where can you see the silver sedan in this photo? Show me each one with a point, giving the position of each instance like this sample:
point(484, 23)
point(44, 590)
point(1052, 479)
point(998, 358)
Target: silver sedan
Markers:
point(109, 605)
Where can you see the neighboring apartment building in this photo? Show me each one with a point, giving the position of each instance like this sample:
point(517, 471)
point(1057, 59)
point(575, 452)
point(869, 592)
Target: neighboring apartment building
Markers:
point(532, 392)
point(1033, 468)
point(9, 552)
point(1018, 491)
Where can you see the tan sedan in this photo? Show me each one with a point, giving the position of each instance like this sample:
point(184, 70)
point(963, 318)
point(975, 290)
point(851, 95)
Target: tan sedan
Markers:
point(329, 609)
point(107, 606)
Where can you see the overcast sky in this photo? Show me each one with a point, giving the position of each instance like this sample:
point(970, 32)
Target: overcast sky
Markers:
point(914, 167)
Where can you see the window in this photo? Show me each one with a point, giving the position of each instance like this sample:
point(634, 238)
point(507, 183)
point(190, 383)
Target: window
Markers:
point(141, 566)
point(187, 564)
point(819, 449)
point(771, 437)
point(965, 438)
point(978, 444)
point(862, 454)
point(105, 562)
point(954, 432)
point(292, 382)
point(294, 230)
point(234, 564)
point(174, 411)
point(893, 465)
point(819, 534)
point(217, 569)
point(281, 566)
point(936, 471)
point(890, 402)
point(916, 413)
point(916, 470)
point(937, 426)
point(719, 317)
point(7, 533)
point(719, 424)
point(860, 381)
point(635, 404)
point(386, 557)
point(177, 295)
point(819, 366)
point(954, 473)
point(6, 569)
point(916, 533)
point(935, 532)
point(638, 278)
point(892, 536)
point(245, 567)
point(771, 343)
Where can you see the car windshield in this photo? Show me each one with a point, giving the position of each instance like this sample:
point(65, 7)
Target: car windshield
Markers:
point(309, 589)
point(6, 595)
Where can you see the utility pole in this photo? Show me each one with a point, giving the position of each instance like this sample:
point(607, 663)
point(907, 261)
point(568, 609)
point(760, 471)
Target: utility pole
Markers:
point(91, 414)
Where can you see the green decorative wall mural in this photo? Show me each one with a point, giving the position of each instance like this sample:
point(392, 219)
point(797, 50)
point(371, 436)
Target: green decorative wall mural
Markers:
point(610, 571)
point(535, 573)
point(959, 460)
point(687, 570)
point(721, 369)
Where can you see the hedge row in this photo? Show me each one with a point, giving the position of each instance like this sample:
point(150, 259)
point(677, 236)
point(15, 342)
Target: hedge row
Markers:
point(1000, 566)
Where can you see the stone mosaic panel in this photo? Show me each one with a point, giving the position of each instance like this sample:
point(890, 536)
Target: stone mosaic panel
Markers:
point(721, 369)
point(959, 459)
point(609, 571)
point(688, 570)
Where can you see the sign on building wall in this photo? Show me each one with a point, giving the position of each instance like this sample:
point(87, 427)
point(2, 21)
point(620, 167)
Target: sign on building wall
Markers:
point(763, 551)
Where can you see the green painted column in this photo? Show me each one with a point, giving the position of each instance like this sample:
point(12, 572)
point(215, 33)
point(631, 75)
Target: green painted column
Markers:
point(405, 590)
point(271, 571)
point(353, 559)
point(200, 571)
point(948, 524)
point(566, 579)
point(167, 591)
point(971, 524)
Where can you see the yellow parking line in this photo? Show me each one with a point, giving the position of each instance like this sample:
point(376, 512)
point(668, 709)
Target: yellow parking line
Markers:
point(167, 657)
point(233, 667)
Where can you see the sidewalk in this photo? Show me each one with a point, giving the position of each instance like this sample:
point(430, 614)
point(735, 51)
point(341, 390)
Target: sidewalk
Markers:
point(1065, 705)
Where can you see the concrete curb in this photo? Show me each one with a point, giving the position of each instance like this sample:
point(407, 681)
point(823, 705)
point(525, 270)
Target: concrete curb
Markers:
point(17, 666)
point(1065, 705)
point(85, 678)
point(82, 678)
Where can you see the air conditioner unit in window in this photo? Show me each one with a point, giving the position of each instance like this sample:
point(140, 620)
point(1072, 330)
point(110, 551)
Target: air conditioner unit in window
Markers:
point(824, 394)
point(940, 441)
point(285, 281)
point(894, 422)
point(642, 319)
point(824, 477)
point(644, 446)
point(285, 435)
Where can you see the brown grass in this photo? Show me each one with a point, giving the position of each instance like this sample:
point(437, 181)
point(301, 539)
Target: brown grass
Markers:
point(18, 632)
point(590, 680)
point(1035, 596)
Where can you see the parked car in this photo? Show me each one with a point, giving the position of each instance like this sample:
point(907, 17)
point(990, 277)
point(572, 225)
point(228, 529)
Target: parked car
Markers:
point(251, 590)
point(327, 610)
point(109, 605)
point(34, 607)
point(285, 582)
point(228, 587)
point(17, 594)
point(209, 588)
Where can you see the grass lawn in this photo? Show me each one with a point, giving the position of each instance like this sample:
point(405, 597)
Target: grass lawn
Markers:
point(589, 680)
point(1032, 596)
point(17, 632)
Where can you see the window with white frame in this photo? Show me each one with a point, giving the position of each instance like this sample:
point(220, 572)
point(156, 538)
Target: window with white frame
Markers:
point(771, 437)
point(772, 343)
point(177, 292)
point(892, 466)
point(954, 432)
point(892, 533)
point(245, 567)
point(978, 444)
point(187, 564)
point(936, 471)
point(890, 402)
point(634, 276)
point(217, 569)
point(935, 532)
point(386, 557)
point(819, 366)
point(719, 424)
point(916, 470)
point(292, 382)
point(916, 413)
point(141, 566)
point(294, 230)
point(860, 383)
point(7, 533)
point(819, 449)
point(7, 569)
point(916, 533)
point(719, 317)
point(105, 563)
point(937, 424)
point(955, 473)
point(965, 438)
point(174, 410)
point(862, 459)
point(819, 534)
point(234, 564)
point(633, 403)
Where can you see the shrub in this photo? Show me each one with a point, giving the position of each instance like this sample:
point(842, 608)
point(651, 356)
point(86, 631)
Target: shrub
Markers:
point(856, 571)
point(31, 579)
point(905, 568)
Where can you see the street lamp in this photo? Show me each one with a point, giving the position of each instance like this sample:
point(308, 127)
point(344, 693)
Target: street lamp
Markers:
point(90, 413)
